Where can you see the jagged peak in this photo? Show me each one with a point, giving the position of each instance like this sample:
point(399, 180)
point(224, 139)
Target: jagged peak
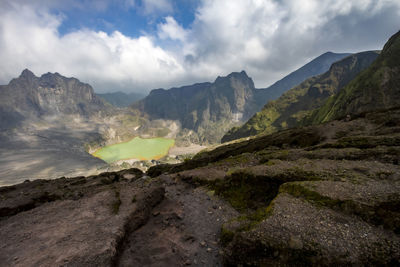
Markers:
point(239, 75)
point(26, 73)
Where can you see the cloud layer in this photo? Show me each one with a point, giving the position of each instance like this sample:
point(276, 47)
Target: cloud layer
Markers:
point(267, 38)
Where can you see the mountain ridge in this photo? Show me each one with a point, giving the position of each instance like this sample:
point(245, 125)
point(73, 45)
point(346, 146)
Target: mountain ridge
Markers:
point(294, 105)
point(206, 111)
point(315, 67)
point(375, 88)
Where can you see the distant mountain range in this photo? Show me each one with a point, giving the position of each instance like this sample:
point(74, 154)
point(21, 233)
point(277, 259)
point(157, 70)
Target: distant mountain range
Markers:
point(293, 106)
point(207, 110)
point(121, 99)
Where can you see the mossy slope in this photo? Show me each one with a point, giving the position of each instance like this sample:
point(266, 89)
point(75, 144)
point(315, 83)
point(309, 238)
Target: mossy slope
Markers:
point(376, 88)
point(297, 103)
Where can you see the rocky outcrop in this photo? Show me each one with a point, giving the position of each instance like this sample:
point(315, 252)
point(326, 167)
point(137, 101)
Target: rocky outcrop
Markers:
point(51, 94)
point(322, 195)
point(74, 222)
point(206, 109)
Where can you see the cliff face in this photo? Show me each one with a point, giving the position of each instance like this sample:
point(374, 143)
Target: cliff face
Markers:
point(29, 96)
point(208, 109)
point(293, 106)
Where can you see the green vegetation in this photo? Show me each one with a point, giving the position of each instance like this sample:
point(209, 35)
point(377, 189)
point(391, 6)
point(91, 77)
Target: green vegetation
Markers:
point(137, 148)
point(116, 203)
point(245, 191)
point(296, 105)
point(376, 88)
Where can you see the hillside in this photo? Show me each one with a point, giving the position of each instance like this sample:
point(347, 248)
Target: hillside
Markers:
point(315, 67)
point(378, 87)
point(294, 105)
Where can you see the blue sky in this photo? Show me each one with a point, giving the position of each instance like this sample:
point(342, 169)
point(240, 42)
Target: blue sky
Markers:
point(139, 45)
point(132, 20)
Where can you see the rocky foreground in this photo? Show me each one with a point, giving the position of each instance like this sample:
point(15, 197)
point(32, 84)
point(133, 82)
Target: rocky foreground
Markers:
point(321, 195)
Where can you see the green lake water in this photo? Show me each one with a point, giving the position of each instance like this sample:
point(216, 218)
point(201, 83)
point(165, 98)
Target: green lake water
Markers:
point(137, 148)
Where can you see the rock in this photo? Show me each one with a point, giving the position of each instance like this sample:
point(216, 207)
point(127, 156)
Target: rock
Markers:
point(156, 213)
point(295, 243)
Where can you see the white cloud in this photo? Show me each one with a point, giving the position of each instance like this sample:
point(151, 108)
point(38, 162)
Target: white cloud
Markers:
point(271, 38)
point(157, 6)
point(267, 38)
point(29, 39)
point(172, 30)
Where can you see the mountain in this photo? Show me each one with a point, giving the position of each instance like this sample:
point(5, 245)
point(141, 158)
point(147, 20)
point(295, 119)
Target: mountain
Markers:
point(205, 110)
point(121, 99)
point(51, 94)
point(294, 105)
point(315, 67)
point(376, 88)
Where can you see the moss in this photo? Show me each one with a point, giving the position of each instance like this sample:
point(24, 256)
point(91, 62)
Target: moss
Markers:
point(134, 199)
point(270, 163)
point(226, 235)
point(297, 189)
point(232, 170)
point(235, 160)
point(116, 203)
point(245, 191)
point(244, 223)
point(267, 155)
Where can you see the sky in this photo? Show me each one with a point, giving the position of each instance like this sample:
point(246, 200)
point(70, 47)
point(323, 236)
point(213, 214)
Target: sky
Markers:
point(139, 45)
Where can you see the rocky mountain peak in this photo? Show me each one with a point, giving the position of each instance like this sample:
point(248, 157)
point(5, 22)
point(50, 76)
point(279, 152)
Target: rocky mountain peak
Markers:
point(27, 74)
point(49, 94)
point(240, 77)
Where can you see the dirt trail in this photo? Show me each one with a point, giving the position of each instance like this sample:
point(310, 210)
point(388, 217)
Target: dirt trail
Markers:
point(182, 230)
